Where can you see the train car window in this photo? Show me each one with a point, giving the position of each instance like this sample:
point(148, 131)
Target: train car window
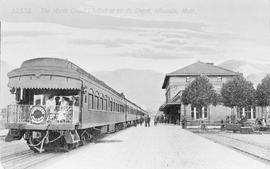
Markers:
point(111, 105)
point(108, 104)
point(90, 101)
point(101, 103)
point(85, 98)
point(100, 107)
point(96, 102)
point(105, 103)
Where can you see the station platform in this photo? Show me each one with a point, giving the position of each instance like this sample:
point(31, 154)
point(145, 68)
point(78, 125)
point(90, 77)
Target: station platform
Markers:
point(160, 147)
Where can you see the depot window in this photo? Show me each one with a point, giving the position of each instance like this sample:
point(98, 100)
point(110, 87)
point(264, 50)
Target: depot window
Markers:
point(187, 79)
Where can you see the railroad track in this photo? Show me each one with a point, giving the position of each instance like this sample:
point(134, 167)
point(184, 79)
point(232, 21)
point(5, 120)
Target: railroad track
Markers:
point(253, 150)
point(246, 142)
point(17, 155)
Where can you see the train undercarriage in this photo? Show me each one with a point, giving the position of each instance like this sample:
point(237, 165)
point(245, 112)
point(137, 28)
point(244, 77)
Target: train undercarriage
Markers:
point(63, 140)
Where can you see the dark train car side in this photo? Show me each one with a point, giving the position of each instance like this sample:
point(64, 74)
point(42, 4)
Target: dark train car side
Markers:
point(58, 104)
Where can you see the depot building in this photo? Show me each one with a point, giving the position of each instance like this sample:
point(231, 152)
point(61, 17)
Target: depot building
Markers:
point(175, 82)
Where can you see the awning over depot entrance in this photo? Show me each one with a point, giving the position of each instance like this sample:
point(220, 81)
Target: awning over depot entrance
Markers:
point(44, 82)
point(172, 112)
point(167, 106)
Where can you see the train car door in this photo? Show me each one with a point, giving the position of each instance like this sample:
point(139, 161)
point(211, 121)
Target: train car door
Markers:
point(84, 105)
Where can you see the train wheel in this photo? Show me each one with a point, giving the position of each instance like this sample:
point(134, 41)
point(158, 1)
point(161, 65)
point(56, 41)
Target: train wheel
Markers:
point(33, 148)
point(66, 147)
point(83, 140)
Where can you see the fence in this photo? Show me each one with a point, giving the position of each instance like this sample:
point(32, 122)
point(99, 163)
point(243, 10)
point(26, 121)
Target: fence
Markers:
point(40, 114)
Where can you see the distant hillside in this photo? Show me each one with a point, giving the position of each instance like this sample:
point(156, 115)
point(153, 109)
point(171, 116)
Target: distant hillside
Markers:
point(140, 86)
point(5, 96)
point(254, 72)
point(143, 86)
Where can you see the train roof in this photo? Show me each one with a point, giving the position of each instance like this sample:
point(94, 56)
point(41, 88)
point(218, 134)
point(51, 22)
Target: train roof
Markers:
point(66, 67)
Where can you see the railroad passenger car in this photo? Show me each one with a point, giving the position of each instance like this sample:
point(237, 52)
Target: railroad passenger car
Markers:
point(59, 105)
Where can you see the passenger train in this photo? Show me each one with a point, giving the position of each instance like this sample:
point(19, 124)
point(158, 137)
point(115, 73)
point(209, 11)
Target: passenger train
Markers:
point(59, 105)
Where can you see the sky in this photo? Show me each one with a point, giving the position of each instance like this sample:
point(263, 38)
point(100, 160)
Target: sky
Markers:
point(159, 35)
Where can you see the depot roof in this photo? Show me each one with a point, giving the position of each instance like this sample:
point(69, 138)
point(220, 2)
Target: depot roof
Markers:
point(197, 69)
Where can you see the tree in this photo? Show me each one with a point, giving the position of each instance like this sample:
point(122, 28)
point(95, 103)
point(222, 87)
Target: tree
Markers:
point(263, 92)
point(200, 93)
point(238, 92)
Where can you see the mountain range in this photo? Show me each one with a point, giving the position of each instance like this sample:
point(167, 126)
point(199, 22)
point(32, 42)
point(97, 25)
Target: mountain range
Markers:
point(143, 86)
point(253, 72)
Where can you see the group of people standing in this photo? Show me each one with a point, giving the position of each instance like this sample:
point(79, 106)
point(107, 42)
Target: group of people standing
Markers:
point(147, 120)
point(54, 103)
point(58, 107)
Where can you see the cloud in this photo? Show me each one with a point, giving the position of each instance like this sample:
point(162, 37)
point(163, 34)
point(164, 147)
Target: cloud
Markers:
point(198, 49)
point(27, 33)
point(88, 20)
point(158, 39)
point(173, 35)
point(162, 46)
point(176, 42)
point(5, 41)
point(106, 43)
point(155, 54)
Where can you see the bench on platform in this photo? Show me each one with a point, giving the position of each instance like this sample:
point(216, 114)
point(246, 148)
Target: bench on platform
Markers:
point(246, 130)
point(263, 128)
point(233, 127)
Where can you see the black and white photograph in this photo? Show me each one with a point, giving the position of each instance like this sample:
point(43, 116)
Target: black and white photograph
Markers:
point(135, 84)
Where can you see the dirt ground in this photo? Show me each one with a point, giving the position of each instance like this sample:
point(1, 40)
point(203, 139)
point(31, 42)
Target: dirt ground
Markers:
point(256, 145)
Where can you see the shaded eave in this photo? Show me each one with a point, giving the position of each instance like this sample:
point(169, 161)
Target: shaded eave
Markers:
point(192, 74)
point(167, 105)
